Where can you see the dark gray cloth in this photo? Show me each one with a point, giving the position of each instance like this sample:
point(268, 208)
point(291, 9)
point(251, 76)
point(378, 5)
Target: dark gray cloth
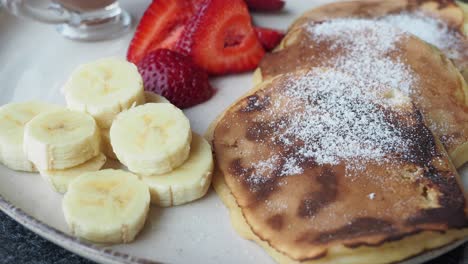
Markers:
point(19, 245)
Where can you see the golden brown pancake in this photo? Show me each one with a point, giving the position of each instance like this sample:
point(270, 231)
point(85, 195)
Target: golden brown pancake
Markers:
point(395, 197)
point(358, 209)
point(388, 252)
point(417, 16)
point(441, 92)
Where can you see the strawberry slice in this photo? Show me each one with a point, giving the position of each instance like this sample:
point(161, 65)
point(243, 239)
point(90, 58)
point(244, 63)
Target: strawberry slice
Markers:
point(175, 77)
point(270, 38)
point(160, 27)
point(265, 5)
point(220, 38)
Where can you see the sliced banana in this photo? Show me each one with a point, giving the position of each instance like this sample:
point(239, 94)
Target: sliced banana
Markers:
point(107, 206)
point(186, 183)
point(151, 97)
point(104, 88)
point(106, 146)
point(60, 179)
point(13, 118)
point(152, 138)
point(61, 139)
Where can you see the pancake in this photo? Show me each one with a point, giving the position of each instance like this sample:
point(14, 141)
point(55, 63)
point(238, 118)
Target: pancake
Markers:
point(332, 159)
point(445, 109)
point(388, 252)
point(438, 22)
point(359, 201)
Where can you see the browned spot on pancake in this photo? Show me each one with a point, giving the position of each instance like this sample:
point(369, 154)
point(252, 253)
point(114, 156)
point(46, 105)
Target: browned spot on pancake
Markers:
point(262, 186)
point(236, 168)
point(358, 228)
point(452, 202)
point(255, 103)
point(421, 148)
point(235, 144)
point(259, 131)
point(276, 222)
point(389, 238)
point(315, 201)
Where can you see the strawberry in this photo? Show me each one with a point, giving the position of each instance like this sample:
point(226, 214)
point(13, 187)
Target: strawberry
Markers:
point(270, 38)
point(160, 27)
point(175, 77)
point(265, 5)
point(220, 38)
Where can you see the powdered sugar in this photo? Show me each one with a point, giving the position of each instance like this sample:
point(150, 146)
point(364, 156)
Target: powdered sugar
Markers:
point(344, 123)
point(366, 45)
point(336, 113)
point(430, 29)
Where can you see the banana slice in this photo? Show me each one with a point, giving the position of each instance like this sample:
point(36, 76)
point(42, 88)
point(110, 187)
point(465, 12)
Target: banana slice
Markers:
point(13, 118)
point(108, 206)
point(106, 144)
point(151, 97)
point(152, 138)
point(60, 179)
point(61, 139)
point(104, 88)
point(186, 183)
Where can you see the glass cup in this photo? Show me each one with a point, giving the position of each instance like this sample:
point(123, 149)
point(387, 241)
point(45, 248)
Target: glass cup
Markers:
point(86, 20)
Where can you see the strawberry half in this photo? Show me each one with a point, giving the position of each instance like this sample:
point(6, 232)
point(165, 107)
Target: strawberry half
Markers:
point(160, 27)
point(270, 38)
point(220, 38)
point(175, 77)
point(265, 5)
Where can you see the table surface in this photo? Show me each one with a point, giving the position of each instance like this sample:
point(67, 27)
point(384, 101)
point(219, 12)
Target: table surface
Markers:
point(19, 245)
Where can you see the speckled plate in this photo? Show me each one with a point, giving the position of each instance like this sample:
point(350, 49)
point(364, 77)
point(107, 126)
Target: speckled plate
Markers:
point(35, 62)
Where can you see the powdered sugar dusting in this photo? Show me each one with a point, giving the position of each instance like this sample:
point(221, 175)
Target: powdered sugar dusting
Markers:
point(430, 29)
point(336, 113)
point(367, 45)
point(345, 121)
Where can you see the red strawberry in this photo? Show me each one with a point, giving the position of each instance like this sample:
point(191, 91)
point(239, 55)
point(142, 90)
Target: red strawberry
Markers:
point(175, 77)
point(160, 27)
point(270, 38)
point(265, 5)
point(220, 38)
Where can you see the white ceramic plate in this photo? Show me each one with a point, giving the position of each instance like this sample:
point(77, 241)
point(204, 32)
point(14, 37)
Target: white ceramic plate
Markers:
point(35, 62)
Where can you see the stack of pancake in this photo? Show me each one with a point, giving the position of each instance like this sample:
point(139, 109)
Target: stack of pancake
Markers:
point(346, 149)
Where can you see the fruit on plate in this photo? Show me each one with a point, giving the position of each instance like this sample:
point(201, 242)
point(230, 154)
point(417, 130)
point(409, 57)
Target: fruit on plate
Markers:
point(61, 139)
point(13, 118)
point(270, 38)
point(175, 77)
point(151, 138)
point(151, 97)
point(107, 206)
point(220, 38)
point(160, 27)
point(186, 183)
point(104, 88)
point(60, 179)
point(106, 146)
point(265, 5)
